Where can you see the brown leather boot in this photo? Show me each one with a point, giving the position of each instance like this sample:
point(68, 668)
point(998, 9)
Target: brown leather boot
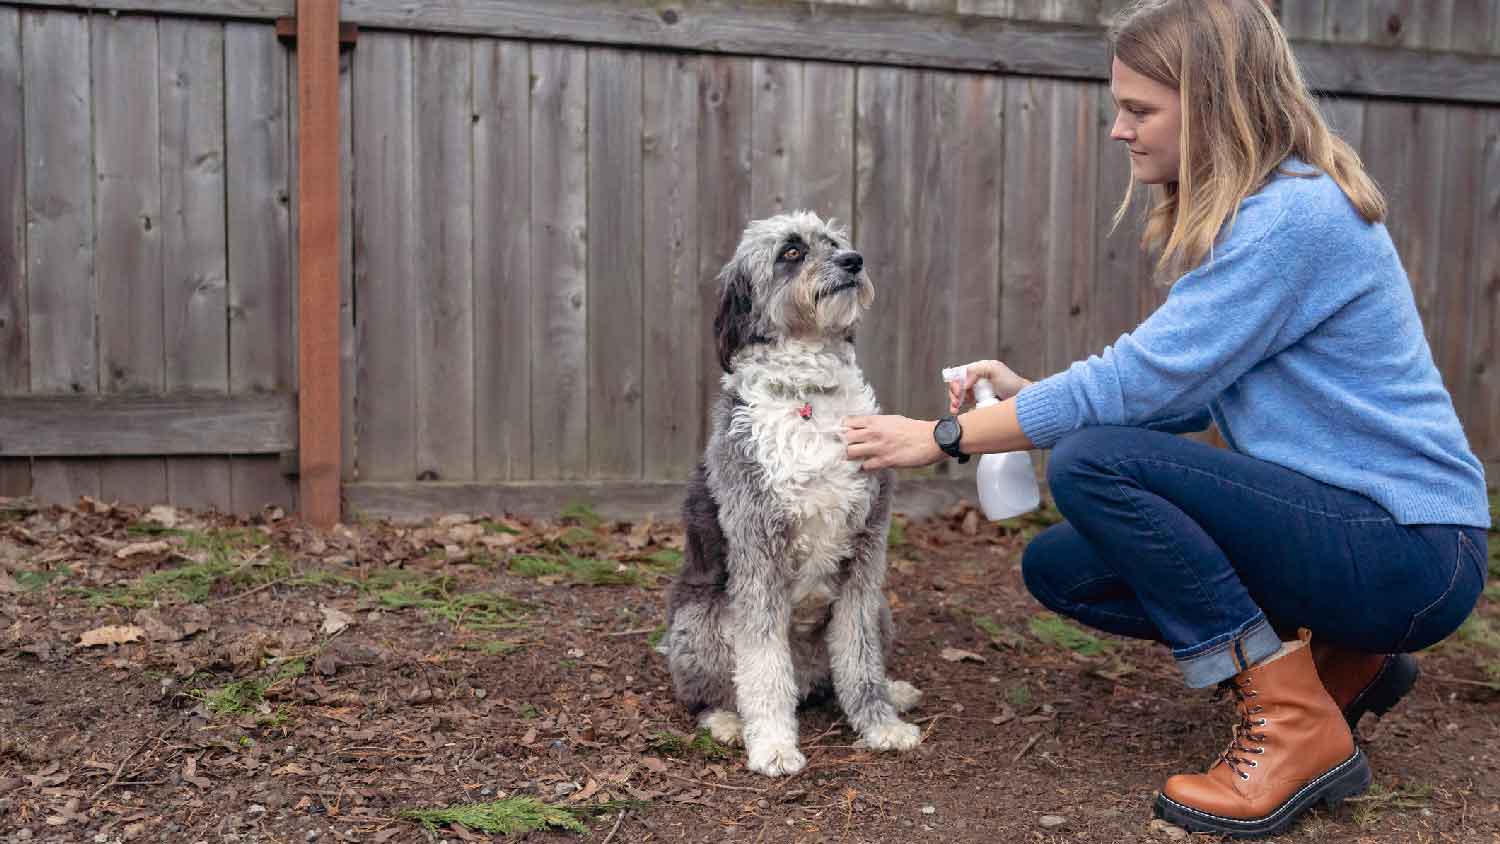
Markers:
point(1361, 682)
point(1291, 750)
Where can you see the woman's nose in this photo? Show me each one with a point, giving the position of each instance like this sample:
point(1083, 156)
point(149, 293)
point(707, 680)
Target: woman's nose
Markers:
point(1119, 131)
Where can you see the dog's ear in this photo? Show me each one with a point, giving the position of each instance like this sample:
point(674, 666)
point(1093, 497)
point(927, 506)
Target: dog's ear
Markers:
point(733, 325)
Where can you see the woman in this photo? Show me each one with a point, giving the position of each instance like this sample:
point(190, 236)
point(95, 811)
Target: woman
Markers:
point(1348, 503)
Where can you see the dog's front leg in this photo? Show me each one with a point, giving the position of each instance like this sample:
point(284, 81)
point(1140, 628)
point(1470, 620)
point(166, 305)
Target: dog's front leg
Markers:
point(765, 684)
point(855, 648)
point(859, 671)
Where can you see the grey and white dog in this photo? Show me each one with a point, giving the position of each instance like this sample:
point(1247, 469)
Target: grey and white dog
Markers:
point(780, 596)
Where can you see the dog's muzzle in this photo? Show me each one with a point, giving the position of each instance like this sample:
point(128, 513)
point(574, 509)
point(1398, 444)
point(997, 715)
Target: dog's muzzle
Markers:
point(850, 262)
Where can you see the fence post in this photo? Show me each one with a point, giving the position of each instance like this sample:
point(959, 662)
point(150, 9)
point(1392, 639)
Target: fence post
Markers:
point(318, 207)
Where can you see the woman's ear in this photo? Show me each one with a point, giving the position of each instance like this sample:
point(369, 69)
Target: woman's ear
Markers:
point(733, 325)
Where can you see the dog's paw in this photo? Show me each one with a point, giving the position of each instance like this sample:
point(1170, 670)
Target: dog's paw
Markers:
point(771, 749)
point(903, 695)
point(892, 735)
point(725, 726)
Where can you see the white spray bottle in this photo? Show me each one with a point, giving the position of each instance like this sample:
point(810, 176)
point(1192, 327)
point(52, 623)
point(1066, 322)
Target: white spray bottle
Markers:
point(1007, 481)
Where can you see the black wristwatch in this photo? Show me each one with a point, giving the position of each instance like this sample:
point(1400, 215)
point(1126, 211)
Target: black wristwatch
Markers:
point(948, 433)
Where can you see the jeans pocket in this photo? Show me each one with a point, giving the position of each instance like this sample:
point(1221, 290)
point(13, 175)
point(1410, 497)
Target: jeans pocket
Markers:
point(1436, 621)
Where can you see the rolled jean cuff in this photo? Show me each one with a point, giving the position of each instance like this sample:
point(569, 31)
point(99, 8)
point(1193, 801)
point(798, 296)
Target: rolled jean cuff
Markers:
point(1205, 666)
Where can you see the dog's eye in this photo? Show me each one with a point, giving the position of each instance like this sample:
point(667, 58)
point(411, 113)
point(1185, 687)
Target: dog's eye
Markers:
point(791, 253)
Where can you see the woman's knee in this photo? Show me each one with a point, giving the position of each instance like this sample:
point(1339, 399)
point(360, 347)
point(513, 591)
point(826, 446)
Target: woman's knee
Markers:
point(1081, 454)
point(1045, 558)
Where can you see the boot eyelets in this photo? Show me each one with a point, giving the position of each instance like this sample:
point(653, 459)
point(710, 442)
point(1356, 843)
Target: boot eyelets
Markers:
point(1260, 750)
point(1244, 776)
point(1261, 723)
point(1254, 764)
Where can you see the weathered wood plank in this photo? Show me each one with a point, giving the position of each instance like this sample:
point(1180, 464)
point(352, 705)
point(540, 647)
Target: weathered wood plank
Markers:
point(931, 246)
point(1304, 20)
point(60, 235)
point(824, 151)
point(559, 206)
point(885, 100)
point(15, 357)
point(385, 258)
point(671, 397)
point(1072, 240)
point(1457, 290)
point(445, 259)
point(194, 272)
point(502, 260)
point(116, 425)
point(1027, 213)
point(348, 339)
point(1483, 424)
point(893, 36)
point(724, 187)
point(615, 365)
point(259, 236)
point(232, 9)
point(615, 500)
point(127, 225)
point(776, 130)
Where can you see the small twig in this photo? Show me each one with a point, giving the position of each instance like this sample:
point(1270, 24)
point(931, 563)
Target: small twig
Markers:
point(621, 819)
point(636, 632)
point(120, 768)
point(712, 784)
point(1443, 678)
point(247, 592)
point(1025, 747)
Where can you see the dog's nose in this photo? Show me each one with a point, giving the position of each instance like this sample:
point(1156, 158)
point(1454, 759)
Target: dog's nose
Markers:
point(851, 262)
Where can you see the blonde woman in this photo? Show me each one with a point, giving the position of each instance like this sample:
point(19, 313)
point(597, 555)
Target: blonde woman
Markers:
point(1348, 503)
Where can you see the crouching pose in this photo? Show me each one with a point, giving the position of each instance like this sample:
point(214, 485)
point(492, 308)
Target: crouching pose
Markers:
point(1348, 502)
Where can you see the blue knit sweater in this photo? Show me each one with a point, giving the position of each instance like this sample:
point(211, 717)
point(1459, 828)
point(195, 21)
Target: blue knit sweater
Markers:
point(1301, 338)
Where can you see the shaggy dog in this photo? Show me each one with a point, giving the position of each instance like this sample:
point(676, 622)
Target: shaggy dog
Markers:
point(780, 597)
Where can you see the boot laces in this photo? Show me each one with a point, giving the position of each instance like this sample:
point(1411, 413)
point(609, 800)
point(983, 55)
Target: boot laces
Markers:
point(1238, 753)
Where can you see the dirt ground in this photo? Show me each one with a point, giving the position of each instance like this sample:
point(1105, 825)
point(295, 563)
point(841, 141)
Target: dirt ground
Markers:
point(169, 676)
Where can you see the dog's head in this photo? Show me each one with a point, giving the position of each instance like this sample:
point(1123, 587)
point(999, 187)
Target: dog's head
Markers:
point(792, 276)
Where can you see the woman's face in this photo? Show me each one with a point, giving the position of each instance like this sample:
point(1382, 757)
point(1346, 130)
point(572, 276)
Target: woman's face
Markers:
point(1147, 118)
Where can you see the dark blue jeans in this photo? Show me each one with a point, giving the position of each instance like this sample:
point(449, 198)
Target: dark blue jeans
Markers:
point(1211, 552)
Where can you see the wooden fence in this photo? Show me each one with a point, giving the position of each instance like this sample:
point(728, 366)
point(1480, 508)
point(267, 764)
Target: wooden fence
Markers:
point(537, 196)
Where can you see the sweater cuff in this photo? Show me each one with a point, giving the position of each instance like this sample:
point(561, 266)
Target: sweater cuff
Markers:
point(1039, 409)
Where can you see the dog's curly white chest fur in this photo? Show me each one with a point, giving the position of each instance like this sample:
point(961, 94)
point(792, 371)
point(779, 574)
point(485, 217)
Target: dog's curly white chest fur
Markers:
point(795, 397)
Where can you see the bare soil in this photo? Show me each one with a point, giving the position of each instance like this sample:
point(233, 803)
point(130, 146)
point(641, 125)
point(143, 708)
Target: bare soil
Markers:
point(183, 677)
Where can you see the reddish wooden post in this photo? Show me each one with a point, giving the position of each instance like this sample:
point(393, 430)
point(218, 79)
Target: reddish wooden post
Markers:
point(318, 207)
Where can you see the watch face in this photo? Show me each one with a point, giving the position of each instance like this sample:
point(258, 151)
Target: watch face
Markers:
point(946, 432)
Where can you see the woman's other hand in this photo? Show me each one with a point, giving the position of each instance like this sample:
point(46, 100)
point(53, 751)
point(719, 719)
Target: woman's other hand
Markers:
point(1000, 376)
point(878, 442)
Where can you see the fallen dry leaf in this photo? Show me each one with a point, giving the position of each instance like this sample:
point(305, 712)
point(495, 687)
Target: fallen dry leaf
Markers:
point(958, 655)
point(334, 621)
point(156, 546)
point(163, 515)
point(111, 634)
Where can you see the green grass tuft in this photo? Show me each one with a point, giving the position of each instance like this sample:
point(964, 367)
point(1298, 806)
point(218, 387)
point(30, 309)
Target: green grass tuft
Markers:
point(1055, 631)
point(530, 565)
point(515, 814)
point(701, 744)
point(36, 581)
point(582, 514)
point(895, 537)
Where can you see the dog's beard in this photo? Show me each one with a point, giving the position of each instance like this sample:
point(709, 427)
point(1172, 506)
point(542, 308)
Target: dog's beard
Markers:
point(821, 302)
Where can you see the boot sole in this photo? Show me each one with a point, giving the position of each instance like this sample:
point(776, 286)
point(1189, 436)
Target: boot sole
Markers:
point(1346, 779)
point(1394, 680)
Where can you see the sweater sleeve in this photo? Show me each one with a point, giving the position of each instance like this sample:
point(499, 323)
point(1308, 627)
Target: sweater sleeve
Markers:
point(1218, 322)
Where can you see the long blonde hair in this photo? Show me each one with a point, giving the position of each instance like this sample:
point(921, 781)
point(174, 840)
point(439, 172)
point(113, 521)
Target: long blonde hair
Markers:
point(1245, 109)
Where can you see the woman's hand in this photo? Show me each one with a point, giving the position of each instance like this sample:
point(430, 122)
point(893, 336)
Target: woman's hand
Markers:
point(1000, 376)
point(890, 441)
